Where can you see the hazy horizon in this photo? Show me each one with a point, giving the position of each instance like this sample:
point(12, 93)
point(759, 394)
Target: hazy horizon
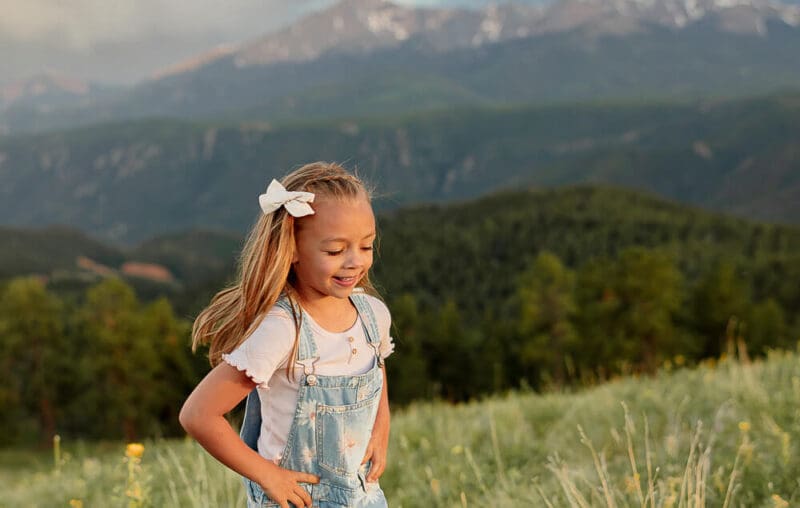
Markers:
point(125, 43)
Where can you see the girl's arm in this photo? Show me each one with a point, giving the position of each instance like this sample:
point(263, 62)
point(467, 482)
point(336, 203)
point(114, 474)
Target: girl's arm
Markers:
point(379, 442)
point(203, 417)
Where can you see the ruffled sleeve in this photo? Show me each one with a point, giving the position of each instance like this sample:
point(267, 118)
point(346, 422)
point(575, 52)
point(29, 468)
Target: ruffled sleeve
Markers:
point(266, 349)
point(384, 319)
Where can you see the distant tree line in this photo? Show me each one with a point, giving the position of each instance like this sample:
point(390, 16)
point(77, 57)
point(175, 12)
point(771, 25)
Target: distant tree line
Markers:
point(631, 314)
point(109, 366)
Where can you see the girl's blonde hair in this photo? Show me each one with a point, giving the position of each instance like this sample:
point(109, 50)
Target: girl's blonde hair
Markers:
point(264, 269)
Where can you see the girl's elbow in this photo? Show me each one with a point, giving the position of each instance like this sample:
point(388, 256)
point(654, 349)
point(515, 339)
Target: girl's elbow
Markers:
point(188, 418)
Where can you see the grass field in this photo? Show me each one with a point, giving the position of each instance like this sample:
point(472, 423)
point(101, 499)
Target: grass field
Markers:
point(722, 434)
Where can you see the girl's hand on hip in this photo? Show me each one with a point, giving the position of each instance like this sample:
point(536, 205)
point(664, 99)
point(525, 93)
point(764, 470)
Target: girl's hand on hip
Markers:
point(376, 451)
point(379, 440)
point(283, 486)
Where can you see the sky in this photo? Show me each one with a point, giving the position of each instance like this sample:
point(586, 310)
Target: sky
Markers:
point(124, 41)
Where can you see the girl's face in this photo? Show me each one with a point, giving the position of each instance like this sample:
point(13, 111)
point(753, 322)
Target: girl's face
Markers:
point(333, 247)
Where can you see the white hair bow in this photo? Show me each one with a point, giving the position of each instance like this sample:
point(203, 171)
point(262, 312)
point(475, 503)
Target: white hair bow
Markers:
point(295, 202)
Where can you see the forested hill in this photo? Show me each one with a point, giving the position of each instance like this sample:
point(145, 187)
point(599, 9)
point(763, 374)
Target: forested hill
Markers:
point(473, 252)
point(127, 182)
point(175, 265)
point(469, 251)
point(577, 282)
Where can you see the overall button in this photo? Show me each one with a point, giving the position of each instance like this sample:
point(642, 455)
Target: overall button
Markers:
point(311, 379)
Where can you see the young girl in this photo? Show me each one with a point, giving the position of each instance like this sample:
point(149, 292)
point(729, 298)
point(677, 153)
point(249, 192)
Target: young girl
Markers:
point(303, 336)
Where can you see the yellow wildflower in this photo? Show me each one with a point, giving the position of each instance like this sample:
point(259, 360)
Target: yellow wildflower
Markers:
point(134, 450)
point(632, 483)
point(744, 426)
point(779, 502)
point(75, 503)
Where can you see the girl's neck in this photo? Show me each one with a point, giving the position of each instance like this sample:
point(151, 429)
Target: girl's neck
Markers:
point(331, 313)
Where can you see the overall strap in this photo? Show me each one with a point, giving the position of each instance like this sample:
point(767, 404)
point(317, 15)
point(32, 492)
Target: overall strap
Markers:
point(307, 347)
point(361, 302)
point(307, 355)
point(369, 322)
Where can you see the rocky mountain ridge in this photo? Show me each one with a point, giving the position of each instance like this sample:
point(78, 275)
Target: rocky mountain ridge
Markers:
point(416, 59)
point(369, 25)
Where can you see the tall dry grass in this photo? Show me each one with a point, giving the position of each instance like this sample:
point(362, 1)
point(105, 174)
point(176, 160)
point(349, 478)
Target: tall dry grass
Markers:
point(722, 434)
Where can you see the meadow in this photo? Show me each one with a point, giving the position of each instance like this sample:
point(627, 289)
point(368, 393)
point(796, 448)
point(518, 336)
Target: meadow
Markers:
point(722, 433)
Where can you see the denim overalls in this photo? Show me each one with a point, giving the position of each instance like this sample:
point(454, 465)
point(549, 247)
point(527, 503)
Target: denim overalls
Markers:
point(332, 425)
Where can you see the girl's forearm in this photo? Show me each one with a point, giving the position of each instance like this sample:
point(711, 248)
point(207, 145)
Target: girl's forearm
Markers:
point(215, 434)
point(203, 417)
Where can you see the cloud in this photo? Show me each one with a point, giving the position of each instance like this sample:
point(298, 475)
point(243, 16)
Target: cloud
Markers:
point(122, 41)
point(82, 24)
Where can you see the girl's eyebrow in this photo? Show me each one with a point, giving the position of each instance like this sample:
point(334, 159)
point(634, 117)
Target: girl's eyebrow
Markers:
point(340, 239)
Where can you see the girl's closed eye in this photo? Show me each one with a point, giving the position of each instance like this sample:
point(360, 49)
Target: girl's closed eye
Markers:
point(337, 252)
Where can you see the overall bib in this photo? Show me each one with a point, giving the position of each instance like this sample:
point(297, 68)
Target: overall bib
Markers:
point(332, 425)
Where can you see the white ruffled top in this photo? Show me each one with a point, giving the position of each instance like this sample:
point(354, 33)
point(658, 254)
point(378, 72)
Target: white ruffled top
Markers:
point(263, 356)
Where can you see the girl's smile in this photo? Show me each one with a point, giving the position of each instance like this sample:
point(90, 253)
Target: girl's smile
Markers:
point(345, 281)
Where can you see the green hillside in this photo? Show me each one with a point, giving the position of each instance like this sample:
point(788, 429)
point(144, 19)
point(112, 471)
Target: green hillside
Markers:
point(47, 250)
point(432, 251)
point(470, 251)
point(128, 182)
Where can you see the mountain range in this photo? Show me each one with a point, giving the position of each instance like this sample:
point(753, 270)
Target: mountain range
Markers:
point(411, 59)
point(129, 181)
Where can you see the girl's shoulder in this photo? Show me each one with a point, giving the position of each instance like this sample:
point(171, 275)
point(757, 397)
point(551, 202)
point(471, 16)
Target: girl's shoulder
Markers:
point(266, 348)
point(276, 328)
